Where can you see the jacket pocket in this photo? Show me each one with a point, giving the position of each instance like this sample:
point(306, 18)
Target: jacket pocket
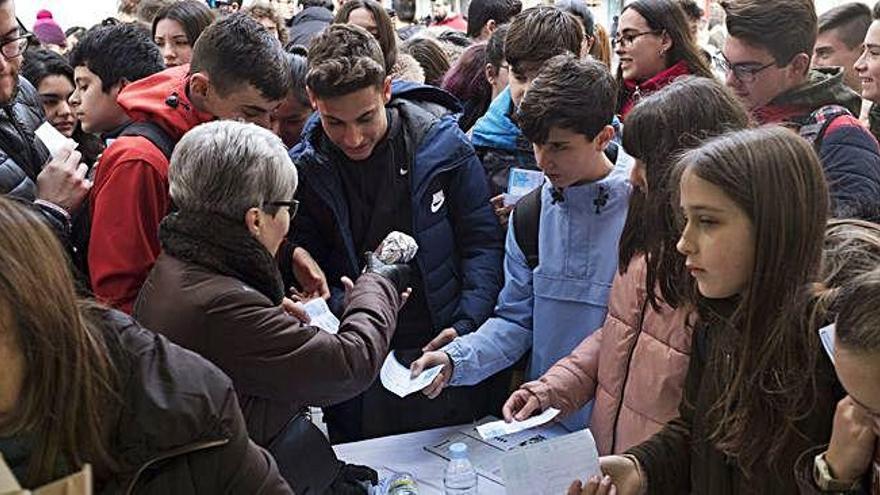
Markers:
point(572, 290)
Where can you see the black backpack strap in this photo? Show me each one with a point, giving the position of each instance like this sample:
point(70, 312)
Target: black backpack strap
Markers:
point(154, 133)
point(526, 223)
point(814, 127)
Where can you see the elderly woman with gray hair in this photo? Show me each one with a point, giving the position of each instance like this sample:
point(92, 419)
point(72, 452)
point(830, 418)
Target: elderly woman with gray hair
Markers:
point(216, 290)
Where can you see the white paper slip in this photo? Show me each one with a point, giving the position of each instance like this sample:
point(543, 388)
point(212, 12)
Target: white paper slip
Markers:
point(521, 182)
point(549, 467)
point(500, 428)
point(321, 315)
point(54, 140)
point(396, 377)
point(826, 334)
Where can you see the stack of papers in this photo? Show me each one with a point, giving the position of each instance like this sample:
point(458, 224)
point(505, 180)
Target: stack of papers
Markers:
point(397, 378)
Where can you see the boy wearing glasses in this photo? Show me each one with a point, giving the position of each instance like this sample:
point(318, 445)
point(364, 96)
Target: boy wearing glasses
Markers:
point(766, 61)
point(57, 187)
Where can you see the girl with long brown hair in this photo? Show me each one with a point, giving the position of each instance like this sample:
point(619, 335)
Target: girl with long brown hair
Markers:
point(759, 390)
point(84, 384)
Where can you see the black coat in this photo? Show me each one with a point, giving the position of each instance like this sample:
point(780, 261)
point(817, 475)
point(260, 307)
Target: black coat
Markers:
point(22, 155)
point(180, 429)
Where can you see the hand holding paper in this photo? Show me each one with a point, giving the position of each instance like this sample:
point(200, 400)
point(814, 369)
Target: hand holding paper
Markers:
point(500, 428)
point(398, 379)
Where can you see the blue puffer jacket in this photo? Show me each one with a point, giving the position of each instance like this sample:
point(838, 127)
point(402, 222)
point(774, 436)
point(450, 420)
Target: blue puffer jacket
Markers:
point(460, 242)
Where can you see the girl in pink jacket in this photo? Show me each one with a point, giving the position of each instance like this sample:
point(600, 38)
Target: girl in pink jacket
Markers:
point(634, 366)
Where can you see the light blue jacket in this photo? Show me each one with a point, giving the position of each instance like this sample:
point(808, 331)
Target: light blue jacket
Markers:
point(554, 308)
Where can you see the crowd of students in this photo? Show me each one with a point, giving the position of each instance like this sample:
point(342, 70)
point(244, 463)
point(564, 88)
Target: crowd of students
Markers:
point(705, 213)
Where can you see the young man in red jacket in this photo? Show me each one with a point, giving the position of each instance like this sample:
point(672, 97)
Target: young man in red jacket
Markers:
point(238, 71)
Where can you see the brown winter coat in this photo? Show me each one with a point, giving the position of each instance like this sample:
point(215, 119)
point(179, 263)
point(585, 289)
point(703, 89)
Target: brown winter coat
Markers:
point(278, 365)
point(634, 367)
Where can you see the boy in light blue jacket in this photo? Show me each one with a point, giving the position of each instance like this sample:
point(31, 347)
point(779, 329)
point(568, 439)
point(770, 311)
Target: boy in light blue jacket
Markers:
point(556, 292)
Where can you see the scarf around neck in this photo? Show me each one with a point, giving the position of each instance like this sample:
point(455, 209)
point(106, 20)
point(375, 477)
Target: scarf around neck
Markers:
point(224, 246)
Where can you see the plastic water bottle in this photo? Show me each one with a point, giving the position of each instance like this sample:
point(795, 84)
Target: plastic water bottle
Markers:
point(460, 477)
point(401, 484)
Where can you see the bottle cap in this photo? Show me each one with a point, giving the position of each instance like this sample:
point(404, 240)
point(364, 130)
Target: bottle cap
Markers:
point(458, 450)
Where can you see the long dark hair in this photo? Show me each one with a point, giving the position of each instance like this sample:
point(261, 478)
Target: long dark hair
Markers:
point(194, 16)
point(665, 123)
point(768, 354)
point(70, 382)
point(667, 16)
point(467, 81)
point(387, 36)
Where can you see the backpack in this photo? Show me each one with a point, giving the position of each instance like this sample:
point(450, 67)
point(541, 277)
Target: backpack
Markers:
point(527, 223)
point(154, 134)
point(813, 127)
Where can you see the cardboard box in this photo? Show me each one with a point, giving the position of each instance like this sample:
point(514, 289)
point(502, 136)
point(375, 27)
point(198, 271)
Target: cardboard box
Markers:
point(76, 484)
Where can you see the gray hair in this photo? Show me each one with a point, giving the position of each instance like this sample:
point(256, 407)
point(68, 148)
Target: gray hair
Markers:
point(228, 167)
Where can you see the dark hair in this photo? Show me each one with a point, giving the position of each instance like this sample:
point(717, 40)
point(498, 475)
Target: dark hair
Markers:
point(691, 9)
point(482, 11)
point(265, 10)
point(784, 28)
point(467, 81)
point(387, 36)
point(662, 125)
point(406, 10)
point(42, 63)
point(857, 327)
point(568, 93)
point(343, 59)
point(495, 47)
point(851, 20)
point(297, 58)
point(194, 16)
point(538, 34)
point(39, 64)
point(430, 55)
point(237, 50)
point(70, 393)
point(327, 4)
point(147, 10)
point(667, 16)
point(117, 52)
point(768, 351)
point(77, 31)
point(875, 11)
point(579, 9)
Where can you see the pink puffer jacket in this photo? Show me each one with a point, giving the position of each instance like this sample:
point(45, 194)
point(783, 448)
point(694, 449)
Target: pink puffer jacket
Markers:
point(634, 370)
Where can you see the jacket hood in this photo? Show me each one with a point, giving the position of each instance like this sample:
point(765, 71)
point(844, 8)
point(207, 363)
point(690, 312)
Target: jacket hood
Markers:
point(310, 14)
point(496, 129)
point(436, 103)
point(162, 98)
point(824, 86)
point(407, 69)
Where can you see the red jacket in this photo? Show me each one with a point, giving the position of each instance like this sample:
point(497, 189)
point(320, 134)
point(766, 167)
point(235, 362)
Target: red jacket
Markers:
point(130, 193)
